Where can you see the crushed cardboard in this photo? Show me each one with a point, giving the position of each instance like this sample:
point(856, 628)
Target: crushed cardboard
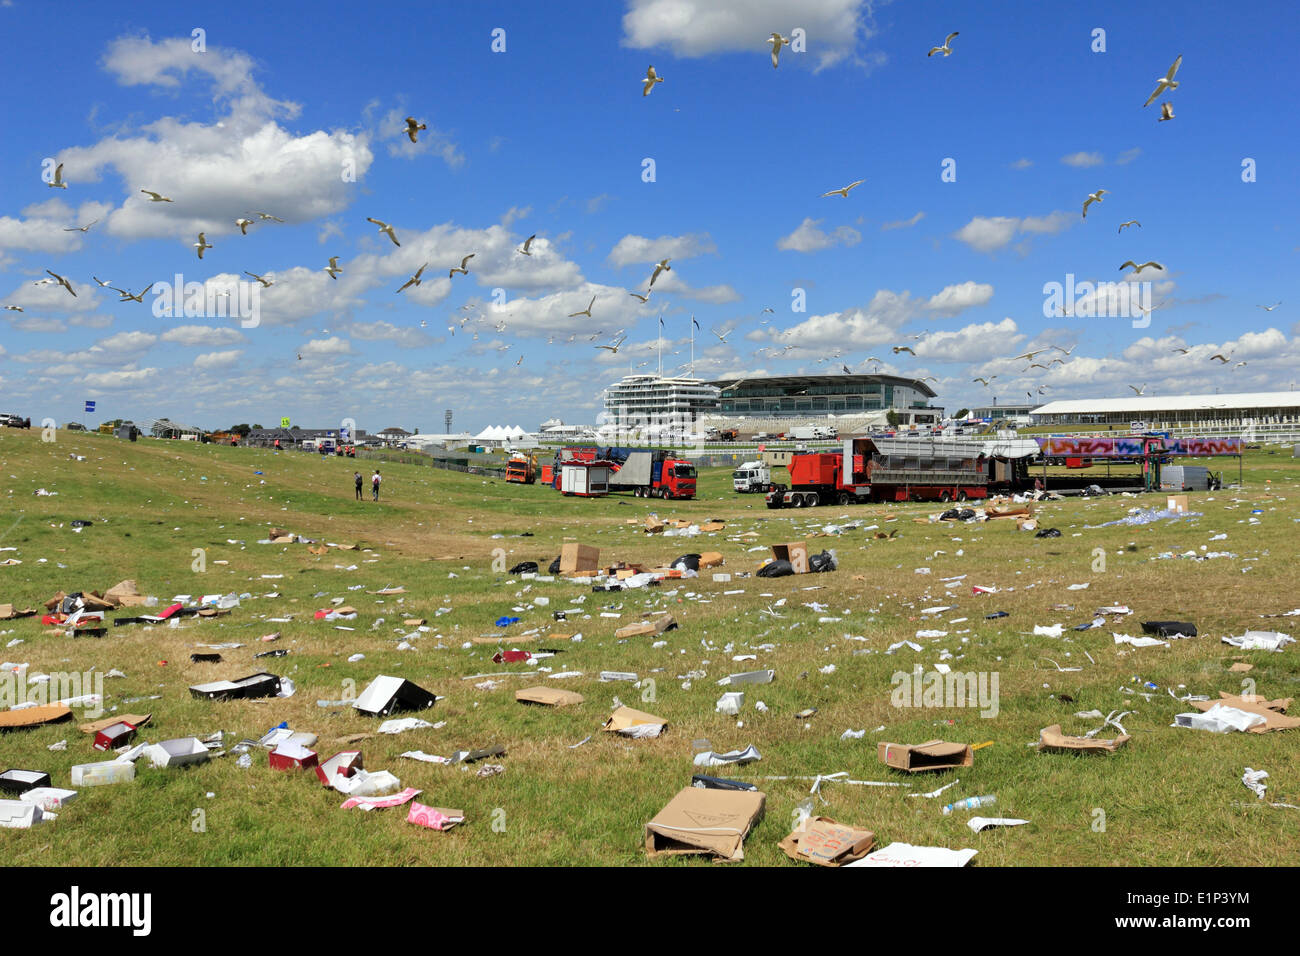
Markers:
point(705, 821)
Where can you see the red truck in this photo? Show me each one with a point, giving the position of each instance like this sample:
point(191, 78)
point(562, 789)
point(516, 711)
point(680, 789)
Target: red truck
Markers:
point(884, 469)
point(647, 473)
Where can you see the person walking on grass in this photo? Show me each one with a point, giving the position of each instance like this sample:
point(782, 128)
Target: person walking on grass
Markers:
point(374, 485)
point(357, 477)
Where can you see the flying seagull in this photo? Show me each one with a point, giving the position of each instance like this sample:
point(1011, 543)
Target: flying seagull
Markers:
point(722, 337)
point(102, 283)
point(413, 128)
point(464, 266)
point(1270, 308)
point(1092, 198)
point(651, 78)
point(202, 244)
point(528, 242)
point(904, 348)
point(1238, 365)
point(1029, 356)
point(984, 381)
point(128, 297)
point(1138, 391)
point(1131, 222)
point(57, 182)
point(266, 283)
point(63, 282)
point(155, 197)
point(1065, 352)
point(1222, 358)
point(946, 49)
point(777, 41)
point(386, 229)
point(661, 267)
point(612, 348)
point(13, 308)
point(638, 295)
point(243, 225)
point(586, 311)
point(1180, 351)
point(1166, 111)
point(1166, 83)
point(845, 191)
point(414, 280)
point(333, 268)
point(84, 228)
point(1146, 265)
point(266, 215)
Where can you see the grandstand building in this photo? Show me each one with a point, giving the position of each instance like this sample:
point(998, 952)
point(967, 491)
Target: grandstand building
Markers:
point(1241, 411)
point(639, 400)
point(845, 402)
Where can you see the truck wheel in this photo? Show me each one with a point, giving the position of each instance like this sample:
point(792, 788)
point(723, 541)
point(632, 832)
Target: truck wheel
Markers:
point(797, 501)
point(814, 500)
point(845, 498)
point(945, 497)
point(961, 496)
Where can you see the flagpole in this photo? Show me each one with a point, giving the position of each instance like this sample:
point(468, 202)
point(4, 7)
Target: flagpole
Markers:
point(692, 345)
point(660, 342)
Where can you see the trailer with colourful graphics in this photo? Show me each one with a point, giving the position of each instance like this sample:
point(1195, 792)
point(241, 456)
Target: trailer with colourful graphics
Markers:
point(885, 469)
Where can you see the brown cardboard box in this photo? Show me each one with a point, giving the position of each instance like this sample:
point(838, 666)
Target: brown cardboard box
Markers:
point(931, 755)
point(549, 696)
point(125, 594)
point(1051, 738)
point(714, 525)
point(823, 841)
point(1008, 509)
point(653, 525)
point(626, 717)
point(36, 716)
point(702, 821)
point(7, 612)
point(135, 720)
point(711, 559)
point(579, 558)
point(1270, 710)
point(656, 625)
point(796, 552)
point(1176, 503)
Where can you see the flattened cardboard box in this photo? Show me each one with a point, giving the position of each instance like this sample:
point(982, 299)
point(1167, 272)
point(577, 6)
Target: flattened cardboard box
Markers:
point(931, 755)
point(626, 717)
point(550, 696)
point(712, 822)
point(656, 625)
point(33, 716)
point(1051, 738)
point(1268, 709)
point(711, 559)
point(827, 843)
point(7, 612)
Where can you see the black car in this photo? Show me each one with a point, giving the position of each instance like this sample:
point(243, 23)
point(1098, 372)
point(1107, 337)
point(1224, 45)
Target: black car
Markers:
point(15, 421)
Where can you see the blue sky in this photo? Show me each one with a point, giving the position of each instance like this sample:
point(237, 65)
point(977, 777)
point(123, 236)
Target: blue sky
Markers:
point(550, 137)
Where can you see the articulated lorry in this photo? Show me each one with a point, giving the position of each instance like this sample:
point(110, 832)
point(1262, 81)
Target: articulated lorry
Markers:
point(884, 469)
point(646, 473)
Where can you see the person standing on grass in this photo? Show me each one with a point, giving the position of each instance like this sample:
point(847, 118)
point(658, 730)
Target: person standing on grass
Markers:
point(357, 477)
point(374, 485)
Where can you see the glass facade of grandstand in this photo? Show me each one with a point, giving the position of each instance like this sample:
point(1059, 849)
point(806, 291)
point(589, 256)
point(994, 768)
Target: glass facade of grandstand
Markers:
point(819, 395)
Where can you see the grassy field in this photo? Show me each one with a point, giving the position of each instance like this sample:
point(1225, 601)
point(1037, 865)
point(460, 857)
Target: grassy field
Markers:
point(1172, 797)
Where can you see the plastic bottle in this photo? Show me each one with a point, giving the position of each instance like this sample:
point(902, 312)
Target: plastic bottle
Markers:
point(970, 803)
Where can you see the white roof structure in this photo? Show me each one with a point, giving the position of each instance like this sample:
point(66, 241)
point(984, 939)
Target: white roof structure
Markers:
point(1160, 403)
point(501, 433)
